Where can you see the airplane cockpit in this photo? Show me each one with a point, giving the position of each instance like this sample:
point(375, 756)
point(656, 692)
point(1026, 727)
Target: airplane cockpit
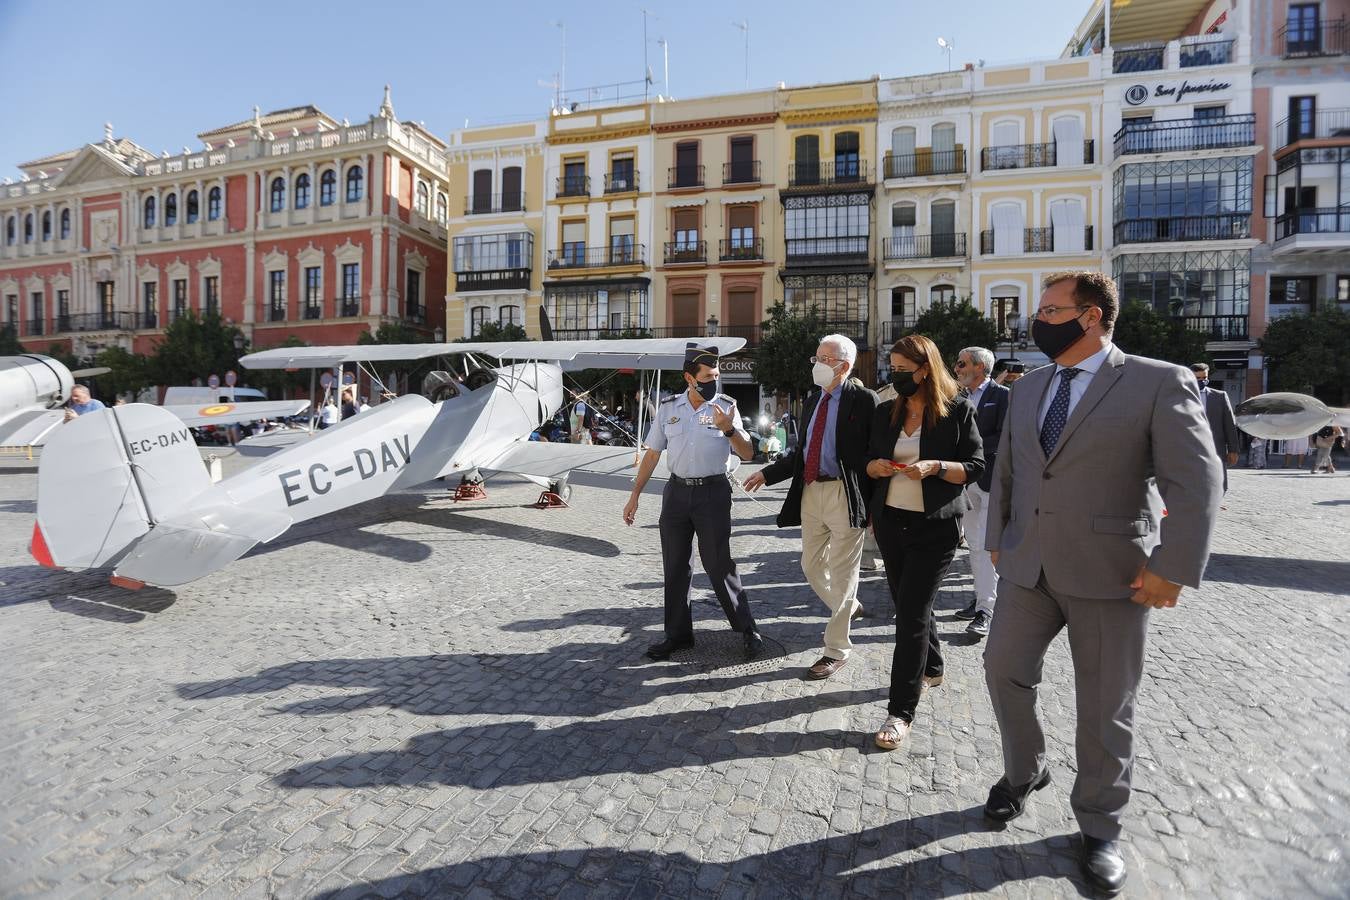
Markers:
point(439, 385)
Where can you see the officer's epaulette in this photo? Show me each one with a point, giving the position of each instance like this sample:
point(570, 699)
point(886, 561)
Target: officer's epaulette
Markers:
point(670, 398)
point(725, 397)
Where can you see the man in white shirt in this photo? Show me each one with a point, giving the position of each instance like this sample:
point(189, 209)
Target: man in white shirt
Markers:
point(991, 407)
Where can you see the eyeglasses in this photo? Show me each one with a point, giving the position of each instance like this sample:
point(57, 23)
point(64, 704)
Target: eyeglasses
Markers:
point(827, 360)
point(960, 363)
point(1047, 312)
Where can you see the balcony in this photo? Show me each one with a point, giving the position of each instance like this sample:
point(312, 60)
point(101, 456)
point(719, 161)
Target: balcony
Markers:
point(826, 251)
point(681, 252)
point(349, 307)
point(582, 257)
point(1226, 227)
point(573, 186)
point(1138, 59)
point(751, 333)
point(745, 171)
point(313, 311)
point(843, 171)
point(485, 204)
point(740, 250)
point(104, 321)
point(1325, 123)
point(514, 279)
point(1027, 156)
point(1186, 135)
point(925, 163)
point(1217, 328)
point(276, 314)
point(1039, 240)
point(924, 246)
point(1322, 39)
point(684, 177)
point(893, 329)
point(415, 314)
point(621, 182)
point(1206, 53)
point(1313, 229)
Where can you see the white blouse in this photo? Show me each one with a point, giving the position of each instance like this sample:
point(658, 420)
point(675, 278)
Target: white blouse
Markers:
point(904, 492)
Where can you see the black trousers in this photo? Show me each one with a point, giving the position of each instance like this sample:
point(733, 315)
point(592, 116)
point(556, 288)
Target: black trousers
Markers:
point(917, 552)
point(703, 510)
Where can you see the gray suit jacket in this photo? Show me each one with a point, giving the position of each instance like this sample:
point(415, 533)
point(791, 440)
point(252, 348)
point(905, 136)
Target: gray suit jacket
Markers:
point(1090, 515)
point(1221, 422)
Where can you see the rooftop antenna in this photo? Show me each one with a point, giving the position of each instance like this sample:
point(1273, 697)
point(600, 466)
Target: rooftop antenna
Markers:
point(562, 75)
point(646, 69)
point(665, 65)
point(744, 25)
point(948, 46)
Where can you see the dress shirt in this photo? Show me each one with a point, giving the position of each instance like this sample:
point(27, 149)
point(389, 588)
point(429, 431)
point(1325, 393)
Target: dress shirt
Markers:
point(829, 454)
point(1078, 385)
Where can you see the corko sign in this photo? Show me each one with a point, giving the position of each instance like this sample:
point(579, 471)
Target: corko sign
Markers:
point(1138, 94)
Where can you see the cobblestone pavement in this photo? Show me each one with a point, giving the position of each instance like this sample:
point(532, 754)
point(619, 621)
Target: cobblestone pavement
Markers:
point(418, 698)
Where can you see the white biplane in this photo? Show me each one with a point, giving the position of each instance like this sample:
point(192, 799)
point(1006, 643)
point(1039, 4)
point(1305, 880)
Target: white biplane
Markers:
point(126, 488)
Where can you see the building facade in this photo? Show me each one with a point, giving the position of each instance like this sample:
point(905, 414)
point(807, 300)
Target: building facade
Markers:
point(286, 224)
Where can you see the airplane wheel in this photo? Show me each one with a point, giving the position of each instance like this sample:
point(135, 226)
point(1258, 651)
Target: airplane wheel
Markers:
point(562, 489)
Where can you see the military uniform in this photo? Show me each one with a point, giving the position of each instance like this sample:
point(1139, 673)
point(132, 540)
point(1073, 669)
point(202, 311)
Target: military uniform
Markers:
point(697, 501)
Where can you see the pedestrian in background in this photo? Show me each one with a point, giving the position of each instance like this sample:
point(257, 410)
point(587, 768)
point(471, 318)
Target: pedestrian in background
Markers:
point(990, 401)
point(1256, 453)
point(1222, 424)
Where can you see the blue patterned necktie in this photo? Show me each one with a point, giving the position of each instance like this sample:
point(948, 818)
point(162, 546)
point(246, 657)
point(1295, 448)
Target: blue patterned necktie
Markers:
point(1058, 416)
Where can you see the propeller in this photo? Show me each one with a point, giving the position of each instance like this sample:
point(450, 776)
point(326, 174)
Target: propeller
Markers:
point(1281, 416)
point(90, 373)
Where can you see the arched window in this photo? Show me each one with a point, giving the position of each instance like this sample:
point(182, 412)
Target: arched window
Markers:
point(301, 191)
point(213, 204)
point(28, 229)
point(941, 293)
point(278, 194)
point(148, 219)
point(171, 209)
point(9, 231)
point(901, 163)
point(442, 208)
point(47, 225)
point(65, 223)
point(423, 199)
point(328, 187)
point(903, 242)
point(355, 181)
point(193, 207)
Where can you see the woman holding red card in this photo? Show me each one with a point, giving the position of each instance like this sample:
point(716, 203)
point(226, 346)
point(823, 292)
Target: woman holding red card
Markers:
point(925, 448)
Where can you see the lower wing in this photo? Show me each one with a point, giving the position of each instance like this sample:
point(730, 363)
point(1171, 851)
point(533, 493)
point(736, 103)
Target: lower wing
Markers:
point(30, 428)
point(547, 460)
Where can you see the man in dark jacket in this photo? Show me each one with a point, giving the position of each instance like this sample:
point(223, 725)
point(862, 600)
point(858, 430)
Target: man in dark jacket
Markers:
point(830, 491)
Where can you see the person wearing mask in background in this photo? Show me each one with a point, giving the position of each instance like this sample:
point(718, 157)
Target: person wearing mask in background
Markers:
point(925, 447)
point(80, 403)
point(1222, 425)
point(991, 407)
point(582, 419)
point(830, 491)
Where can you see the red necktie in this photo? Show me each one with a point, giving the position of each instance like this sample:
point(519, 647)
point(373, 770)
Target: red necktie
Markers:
point(817, 439)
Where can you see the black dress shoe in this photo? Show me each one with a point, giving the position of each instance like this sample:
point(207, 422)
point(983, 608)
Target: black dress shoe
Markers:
point(1007, 802)
point(664, 649)
point(1103, 866)
point(754, 645)
point(967, 613)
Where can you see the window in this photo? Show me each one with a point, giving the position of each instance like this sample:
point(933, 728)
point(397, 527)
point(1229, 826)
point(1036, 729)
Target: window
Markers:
point(413, 293)
point(211, 294)
point(741, 309)
point(581, 310)
point(442, 208)
point(904, 310)
point(1212, 289)
point(35, 324)
point(1209, 112)
point(942, 223)
point(63, 310)
point(741, 231)
point(28, 229)
point(478, 317)
point(148, 213)
point(9, 231)
point(149, 303)
point(1186, 199)
point(171, 209)
point(941, 293)
point(193, 207)
point(621, 173)
point(1003, 306)
point(1302, 289)
point(327, 187)
point(1302, 31)
point(12, 306)
point(574, 243)
point(806, 160)
point(1007, 223)
point(1069, 147)
point(47, 225)
point(686, 172)
point(842, 299)
point(278, 194)
point(351, 281)
point(509, 315)
point(685, 230)
point(742, 167)
point(423, 200)
point(302, 191)
point(574, 178)
point(107, 301)
point(313, 298)
point(179, 297)
point(1068, 226)
point(493, 252)
point(482, 191)
point(213, 204)
point(621, 248)
point(277, 294)
point(1302, 118)
point(902, 222)
point(835, 224)
point(355, 180)
point(847, 162)
point(1343, 288)
point(513, 198)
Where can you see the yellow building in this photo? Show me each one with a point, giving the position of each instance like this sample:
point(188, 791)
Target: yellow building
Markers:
point(496, 247)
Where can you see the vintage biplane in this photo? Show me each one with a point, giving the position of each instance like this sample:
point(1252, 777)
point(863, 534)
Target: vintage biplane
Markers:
point(125, 488)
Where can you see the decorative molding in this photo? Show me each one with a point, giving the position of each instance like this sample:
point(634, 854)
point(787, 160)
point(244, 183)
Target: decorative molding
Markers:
point(147, 272)
point(9, 286)
point(415, 260)
point(310, 256)
point(716, 123)
point(831, 115)
point(208, 267)
point(276, 259)
point(34, 284)
point(349, 253)
point(600, 134)
point(176, 269)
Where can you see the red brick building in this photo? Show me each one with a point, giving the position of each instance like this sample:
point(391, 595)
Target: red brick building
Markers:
point(289, 223)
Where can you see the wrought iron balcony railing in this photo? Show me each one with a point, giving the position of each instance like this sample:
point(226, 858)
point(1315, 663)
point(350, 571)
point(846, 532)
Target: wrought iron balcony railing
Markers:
point(684, 177)
point(1206, 53)
point(841, 171)
point(483, 204)
point(925, 162)
point(1217, 328)
point(493, 279)
point(827, 250)
point(1322, 39)
point(621, 182)
point(581, 257)
point(924, 246)
point(313, 311)
point(573, 186)
point(1324, 123)
point(1184, 228)
point(1184, 135)
point(686, 252)
point(740, 250)
point(1028, 156)
point(1137, 59)
point(349, 306)
point(1328, 220)
point(1038, 240)
point(745, 171)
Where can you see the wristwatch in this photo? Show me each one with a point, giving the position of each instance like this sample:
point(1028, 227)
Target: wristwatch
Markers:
point(730, 433)
point(942, 468)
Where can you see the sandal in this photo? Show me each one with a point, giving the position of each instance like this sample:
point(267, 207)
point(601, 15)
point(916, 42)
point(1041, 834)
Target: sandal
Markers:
point(892, 733)
point(931, 681)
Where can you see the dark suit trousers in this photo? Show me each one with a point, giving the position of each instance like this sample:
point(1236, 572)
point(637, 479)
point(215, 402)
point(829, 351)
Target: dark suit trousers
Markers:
point(917, 552)
point(703, 510)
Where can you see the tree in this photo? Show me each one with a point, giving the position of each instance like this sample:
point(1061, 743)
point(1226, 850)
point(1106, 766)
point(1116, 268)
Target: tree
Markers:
point(393, 333)
point(278, 383)
point(788, 340)
point(1142, 330)
point(9, 342)
point(194, 347)
point(1310, 353)
point(954, 325)
point(495, 331)
point(130, 372)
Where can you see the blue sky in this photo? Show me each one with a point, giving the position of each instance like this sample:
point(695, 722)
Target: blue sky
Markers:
point(162, 71)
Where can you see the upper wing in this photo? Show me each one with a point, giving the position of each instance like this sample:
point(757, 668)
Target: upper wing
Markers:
point(547, 460)
point(638, 353)
point(29, 428)
point(220, 413)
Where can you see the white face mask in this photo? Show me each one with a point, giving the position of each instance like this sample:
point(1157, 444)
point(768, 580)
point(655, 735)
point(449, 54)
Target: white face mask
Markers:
point(822, 375)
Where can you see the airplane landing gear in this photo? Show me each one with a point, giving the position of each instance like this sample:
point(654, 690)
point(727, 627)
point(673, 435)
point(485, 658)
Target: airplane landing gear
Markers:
point(470, 488)
point(556, 497)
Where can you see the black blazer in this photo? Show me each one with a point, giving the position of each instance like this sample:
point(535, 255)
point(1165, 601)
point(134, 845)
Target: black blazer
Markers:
point(954, 438)
point(989, 416)
point(852, 436)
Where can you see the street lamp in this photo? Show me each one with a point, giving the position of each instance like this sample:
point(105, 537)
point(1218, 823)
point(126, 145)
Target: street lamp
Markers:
point(238, 342)
point(439, 334)
point(712, 326)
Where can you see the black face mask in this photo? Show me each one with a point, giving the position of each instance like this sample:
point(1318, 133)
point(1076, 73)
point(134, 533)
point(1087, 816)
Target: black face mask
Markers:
point(1203, 382)
point(904, 383)
point(706, 389)
point(1053, 340)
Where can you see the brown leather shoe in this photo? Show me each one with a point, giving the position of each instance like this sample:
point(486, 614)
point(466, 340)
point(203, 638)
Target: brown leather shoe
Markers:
point(824, 668)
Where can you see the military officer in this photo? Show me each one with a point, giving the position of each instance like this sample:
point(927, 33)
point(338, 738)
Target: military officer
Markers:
point(700, 429)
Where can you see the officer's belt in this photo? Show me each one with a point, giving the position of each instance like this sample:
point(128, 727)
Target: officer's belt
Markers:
point(696, 482)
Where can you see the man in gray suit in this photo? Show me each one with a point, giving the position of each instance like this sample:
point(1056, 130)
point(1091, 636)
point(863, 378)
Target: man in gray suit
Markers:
point(1222, 425)
point(1093, 449)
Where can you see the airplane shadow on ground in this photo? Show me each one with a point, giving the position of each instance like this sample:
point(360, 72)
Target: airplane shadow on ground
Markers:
point(21, 507)
point(816, 868)
point(1321, 575)
point(84, 594)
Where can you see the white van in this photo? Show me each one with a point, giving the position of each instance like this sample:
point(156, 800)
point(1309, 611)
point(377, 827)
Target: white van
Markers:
point(191, 396)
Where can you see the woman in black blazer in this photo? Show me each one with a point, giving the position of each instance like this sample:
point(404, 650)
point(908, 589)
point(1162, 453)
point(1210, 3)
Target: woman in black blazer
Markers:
point(925, 447)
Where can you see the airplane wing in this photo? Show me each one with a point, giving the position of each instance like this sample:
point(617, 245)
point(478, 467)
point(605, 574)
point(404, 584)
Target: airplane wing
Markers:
point(637, 353)
point(548, 460)
point(30, 428)
point(221, 413)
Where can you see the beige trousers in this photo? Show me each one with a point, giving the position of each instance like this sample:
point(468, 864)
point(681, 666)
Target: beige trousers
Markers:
point(831, 551)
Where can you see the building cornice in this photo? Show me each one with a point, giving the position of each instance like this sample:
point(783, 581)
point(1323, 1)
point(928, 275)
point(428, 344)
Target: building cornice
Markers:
point(830, 115)
point(716, 123)
point(637, 129)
